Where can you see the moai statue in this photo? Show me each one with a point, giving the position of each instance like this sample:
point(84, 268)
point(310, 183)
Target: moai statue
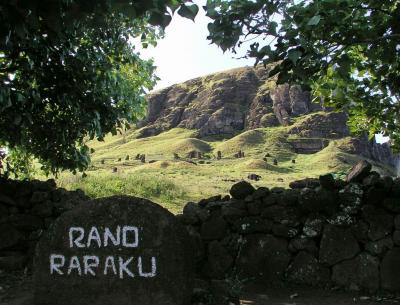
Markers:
point(275, 162)
point(176, 156)
point(236, 155)
point(265, 159)
point(102, 161)
point(143, 158)
point(239, 154)
point(219, 155)
point(267, 155)
point(242, 154)
point(293, 161)
point(119, 159)
point(137, 157)
point(199, 155)
point(127, 158)
point(114, 170)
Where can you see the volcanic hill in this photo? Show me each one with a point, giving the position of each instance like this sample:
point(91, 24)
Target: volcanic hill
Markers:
point(200, 136)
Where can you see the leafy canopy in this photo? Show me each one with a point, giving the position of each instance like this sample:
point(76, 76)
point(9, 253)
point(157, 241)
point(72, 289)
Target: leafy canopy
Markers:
point(69, 72)
point(347, 51)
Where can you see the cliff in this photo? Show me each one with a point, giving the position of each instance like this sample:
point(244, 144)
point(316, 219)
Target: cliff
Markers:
point(237, 100)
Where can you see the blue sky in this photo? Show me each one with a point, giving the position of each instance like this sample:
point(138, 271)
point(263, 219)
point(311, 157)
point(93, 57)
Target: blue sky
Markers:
point(185, 52)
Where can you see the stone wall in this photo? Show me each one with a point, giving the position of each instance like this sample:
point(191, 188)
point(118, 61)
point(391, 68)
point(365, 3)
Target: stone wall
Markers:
point(26, 210)
point(321, 232)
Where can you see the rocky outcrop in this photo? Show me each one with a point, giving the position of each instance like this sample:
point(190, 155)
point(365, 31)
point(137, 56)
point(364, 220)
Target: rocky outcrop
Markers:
point(225, 103)
point(246, 98)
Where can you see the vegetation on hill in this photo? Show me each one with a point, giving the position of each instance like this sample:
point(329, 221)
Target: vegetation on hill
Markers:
point(346, 51)
point(173, 182)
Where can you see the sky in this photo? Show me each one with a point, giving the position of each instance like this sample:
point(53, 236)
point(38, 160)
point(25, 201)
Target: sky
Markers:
point(185, 52)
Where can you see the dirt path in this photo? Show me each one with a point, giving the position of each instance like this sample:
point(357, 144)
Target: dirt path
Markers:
point(309, 296)
point(17, 290)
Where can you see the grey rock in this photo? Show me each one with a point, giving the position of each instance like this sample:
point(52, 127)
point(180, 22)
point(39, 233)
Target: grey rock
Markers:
point(397, 222)
point(169, 276)
point(303, 243)
point(263, 257)
point(313, 227)
point(380, 222)
point(392, 204)
point(26, 222)
point(44, 209)
point(194, 214)
point(6, 200)
point(396, 237)
point(9, 236)
point(261, 192)
point(39, 196)
point(251, 225)
point(13, 261)
point(214, 228)
point(255, 207)
point(359, 171)
point(390, 271)
point(218, 261)
point(360, 273)
point(306, 270)
point(241, 189)
point(327, 181)
point(379, 247)
point(337, 244)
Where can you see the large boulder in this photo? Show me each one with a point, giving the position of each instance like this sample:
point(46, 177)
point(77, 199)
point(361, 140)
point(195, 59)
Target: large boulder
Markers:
point(306, 269)
point(241, 190)
point(337, 244)
point(380, 222)
point(390, 271)
point(263, 257)
point(218, 261)
point(359, 171)
point(359, 273)
point(116, 251)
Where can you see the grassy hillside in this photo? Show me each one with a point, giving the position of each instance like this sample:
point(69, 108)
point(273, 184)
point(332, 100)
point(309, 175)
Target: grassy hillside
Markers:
point(174, 182)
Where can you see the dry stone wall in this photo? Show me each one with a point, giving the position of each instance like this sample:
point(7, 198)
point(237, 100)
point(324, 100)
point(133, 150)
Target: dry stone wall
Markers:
point(26, 210)
point(321, 232)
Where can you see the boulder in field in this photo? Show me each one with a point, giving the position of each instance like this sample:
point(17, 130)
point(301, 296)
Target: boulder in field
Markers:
point(117, 251)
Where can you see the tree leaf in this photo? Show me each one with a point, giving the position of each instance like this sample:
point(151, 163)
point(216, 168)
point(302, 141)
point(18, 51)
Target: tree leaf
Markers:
point(188, 11)
point(314, 20)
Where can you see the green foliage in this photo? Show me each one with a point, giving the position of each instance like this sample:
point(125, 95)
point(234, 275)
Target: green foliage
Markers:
point(19, 164)
point(347, 51)
point(69, 72)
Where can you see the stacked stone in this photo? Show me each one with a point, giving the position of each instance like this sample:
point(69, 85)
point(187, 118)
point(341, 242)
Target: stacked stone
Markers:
point(321, 232)
point(26, 210)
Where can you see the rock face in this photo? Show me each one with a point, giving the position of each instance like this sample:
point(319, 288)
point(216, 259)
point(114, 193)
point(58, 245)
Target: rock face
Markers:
point(117, 250)
point(226, 102)
point(233, 101)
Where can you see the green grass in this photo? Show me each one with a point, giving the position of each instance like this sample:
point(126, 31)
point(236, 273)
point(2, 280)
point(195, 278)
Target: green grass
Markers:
point(101, 184)
point(172, 183)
